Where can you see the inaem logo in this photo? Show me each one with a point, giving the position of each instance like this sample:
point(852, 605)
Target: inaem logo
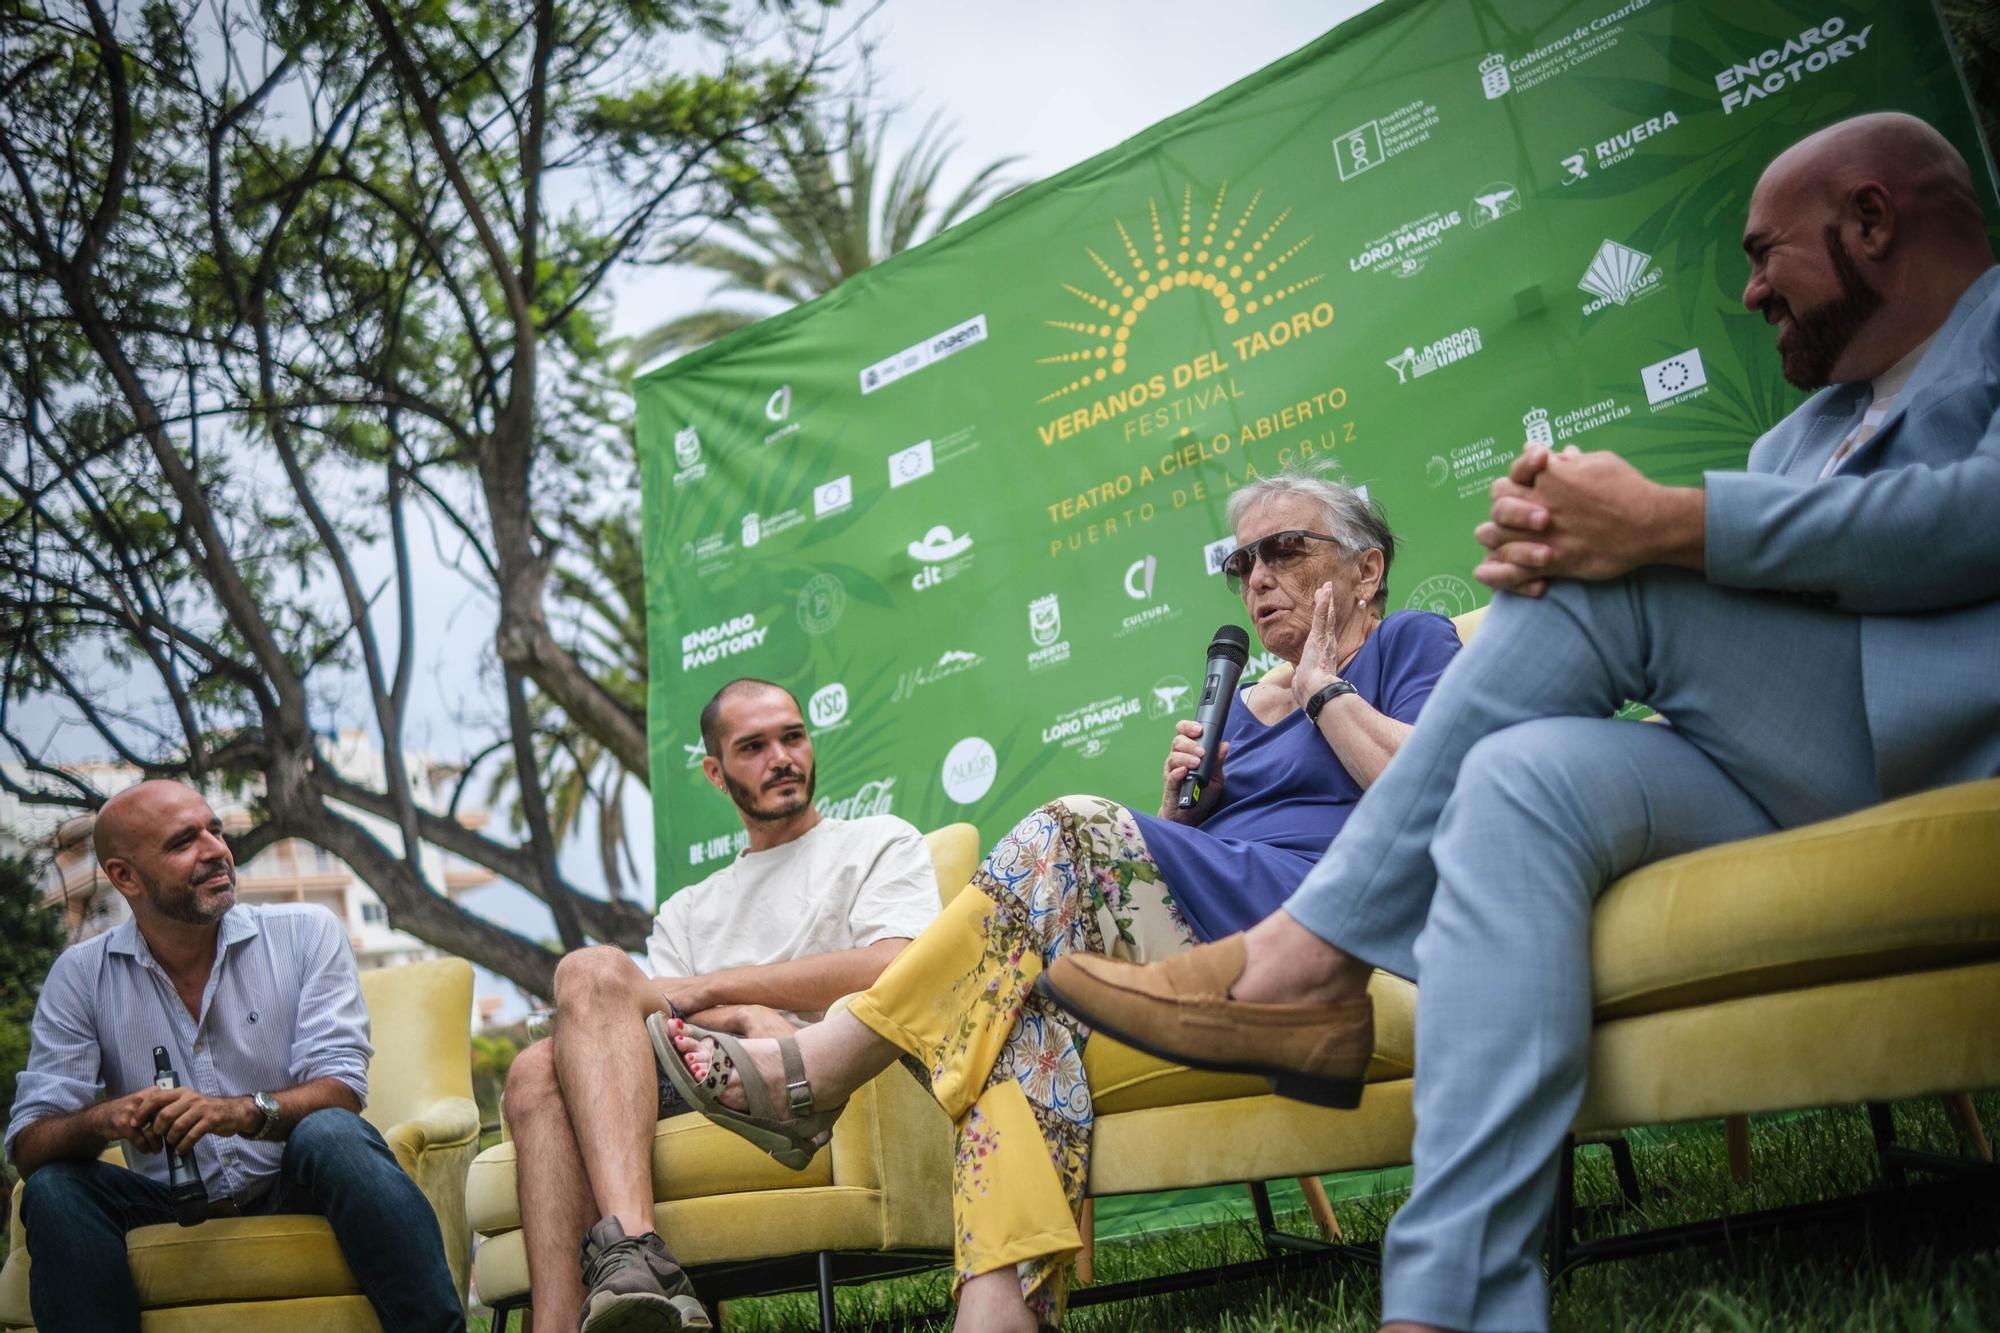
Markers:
point(1493, 76)
point(1236, 264)
point(779, 405)
point(1616, 275)
point(1139, 579)
point(828, 705)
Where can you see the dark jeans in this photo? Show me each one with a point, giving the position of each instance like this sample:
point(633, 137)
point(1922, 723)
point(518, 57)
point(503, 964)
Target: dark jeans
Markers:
point(335, 1166)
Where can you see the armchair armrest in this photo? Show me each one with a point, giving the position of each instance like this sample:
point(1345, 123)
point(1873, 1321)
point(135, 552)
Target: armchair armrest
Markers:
point(436, 1148)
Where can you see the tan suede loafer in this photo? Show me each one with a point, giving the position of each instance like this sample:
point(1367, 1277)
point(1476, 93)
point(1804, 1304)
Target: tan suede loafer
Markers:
point(1179, 1009)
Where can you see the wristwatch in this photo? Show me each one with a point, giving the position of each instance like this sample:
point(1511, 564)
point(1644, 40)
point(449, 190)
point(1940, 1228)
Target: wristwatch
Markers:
point(1329, 691)
point(267, 1106)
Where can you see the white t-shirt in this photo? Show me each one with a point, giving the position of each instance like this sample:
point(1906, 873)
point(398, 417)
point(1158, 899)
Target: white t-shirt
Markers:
point(843, 884)
point(1885, 390)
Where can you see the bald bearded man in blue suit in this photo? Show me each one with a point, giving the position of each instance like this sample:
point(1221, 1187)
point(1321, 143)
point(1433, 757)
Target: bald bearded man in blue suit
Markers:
point(1821, 631)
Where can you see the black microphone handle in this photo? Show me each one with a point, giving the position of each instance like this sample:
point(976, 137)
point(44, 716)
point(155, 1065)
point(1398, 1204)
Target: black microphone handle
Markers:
point(1211, 715)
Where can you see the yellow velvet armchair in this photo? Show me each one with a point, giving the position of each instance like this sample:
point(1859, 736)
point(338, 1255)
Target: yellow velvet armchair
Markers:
point(286, 1274)
point(874, 1201)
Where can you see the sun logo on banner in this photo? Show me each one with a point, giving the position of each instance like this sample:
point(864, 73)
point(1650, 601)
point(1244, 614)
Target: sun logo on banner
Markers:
point(1240, 272)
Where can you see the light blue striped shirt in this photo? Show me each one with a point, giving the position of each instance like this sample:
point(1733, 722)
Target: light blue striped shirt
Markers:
point(282, 1007)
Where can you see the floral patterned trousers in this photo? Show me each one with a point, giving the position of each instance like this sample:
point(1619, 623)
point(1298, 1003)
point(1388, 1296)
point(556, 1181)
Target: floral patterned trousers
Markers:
point(1005, 1064)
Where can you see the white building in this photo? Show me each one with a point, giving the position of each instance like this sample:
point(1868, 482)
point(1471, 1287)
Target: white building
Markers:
point(289, 871)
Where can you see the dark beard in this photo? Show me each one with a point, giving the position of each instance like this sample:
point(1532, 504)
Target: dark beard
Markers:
point(1818, 336)
point(185, 906)
point(746, 800)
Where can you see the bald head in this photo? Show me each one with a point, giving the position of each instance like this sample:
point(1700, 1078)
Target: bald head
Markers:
point(1861, 238)
point(140, 809)
point(161, 846)
point(1925, 176)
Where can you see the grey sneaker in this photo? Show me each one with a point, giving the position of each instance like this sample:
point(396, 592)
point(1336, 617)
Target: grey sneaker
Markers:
point(634, 1286)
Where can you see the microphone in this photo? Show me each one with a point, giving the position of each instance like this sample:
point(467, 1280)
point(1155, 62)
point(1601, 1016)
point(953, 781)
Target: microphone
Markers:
point(1228, 651)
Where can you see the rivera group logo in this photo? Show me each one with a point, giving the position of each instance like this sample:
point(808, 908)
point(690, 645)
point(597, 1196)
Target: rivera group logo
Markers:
point(1235, 262)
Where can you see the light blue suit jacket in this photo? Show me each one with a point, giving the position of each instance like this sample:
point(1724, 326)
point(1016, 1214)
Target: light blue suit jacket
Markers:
point(1906, 535)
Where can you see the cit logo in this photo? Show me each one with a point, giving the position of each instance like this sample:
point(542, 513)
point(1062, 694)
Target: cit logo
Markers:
point(937, 546)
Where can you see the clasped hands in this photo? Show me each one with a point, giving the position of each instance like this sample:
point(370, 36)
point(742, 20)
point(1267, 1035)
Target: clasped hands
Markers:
point(1584, 516)
point(174, 1118)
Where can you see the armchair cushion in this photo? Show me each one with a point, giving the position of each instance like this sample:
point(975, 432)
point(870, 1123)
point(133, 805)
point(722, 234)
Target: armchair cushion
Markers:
point(1897, 887)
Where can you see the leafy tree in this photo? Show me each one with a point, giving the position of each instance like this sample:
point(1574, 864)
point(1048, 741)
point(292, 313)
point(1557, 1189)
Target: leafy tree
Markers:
point(492, 1056)
point(31, 935)
point(817, 220)
point(292, 288)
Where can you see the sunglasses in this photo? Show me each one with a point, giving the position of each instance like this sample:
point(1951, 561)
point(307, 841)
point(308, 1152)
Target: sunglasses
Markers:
point(1280, 548)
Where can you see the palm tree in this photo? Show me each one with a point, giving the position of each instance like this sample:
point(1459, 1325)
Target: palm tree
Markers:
point(812, 227)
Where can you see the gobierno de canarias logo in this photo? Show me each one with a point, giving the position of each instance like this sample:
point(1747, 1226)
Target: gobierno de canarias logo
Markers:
point(1240, 265)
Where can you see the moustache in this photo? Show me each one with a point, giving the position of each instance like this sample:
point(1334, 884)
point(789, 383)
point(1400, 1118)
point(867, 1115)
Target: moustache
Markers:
point(206, 872)
point(781, 779)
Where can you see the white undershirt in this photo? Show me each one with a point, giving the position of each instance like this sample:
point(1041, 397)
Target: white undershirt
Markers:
point(1886, 387)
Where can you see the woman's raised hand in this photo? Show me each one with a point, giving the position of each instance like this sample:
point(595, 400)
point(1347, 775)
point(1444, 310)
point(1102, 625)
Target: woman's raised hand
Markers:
point(1182, 757)
point(1320, 657)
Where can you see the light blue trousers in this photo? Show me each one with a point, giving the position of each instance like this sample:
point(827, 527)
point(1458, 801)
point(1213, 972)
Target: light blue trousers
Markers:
point(1473, 863)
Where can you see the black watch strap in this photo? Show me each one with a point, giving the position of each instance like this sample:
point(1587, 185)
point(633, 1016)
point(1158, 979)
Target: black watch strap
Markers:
point(1327, 692)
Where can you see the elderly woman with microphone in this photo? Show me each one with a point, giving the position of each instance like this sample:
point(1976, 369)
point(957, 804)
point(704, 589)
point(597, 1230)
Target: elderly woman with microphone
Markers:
point(1298, 747)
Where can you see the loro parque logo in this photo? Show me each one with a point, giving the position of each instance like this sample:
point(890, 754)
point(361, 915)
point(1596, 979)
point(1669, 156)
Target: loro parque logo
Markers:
point(1246, 262)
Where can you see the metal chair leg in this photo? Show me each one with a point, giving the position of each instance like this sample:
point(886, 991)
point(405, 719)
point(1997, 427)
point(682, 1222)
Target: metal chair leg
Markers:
point(1736, 1138)
point(1562, 1218)
point(826, 1320)
point(1883, 1122)
point(1627, 1172)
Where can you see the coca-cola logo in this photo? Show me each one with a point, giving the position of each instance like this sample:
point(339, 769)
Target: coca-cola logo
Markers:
point(871, 798)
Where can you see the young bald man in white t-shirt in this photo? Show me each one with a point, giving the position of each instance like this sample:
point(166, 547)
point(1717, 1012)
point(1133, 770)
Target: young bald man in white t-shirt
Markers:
point(812, 910)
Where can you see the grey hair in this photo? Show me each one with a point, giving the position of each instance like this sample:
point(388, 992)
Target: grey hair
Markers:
point(1352, 519)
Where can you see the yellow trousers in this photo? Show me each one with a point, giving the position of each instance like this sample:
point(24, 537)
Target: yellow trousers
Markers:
point(1006, 1065)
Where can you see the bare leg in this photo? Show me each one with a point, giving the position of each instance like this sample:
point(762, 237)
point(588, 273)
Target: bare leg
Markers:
point(1284, 963)
point(991, 1303)
point(604, 1064)
point(840, 1054)
point(556, 1206)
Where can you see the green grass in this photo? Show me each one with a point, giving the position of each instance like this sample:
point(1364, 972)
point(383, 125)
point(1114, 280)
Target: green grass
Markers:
point(1939, 1271)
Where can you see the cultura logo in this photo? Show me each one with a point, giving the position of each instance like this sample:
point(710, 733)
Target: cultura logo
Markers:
point(1618, 275)
point(1139, 578)
point(779, 405)
point(1236, 264)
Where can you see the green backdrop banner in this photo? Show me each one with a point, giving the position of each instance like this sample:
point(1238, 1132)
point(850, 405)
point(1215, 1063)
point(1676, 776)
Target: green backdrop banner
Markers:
point(969, 506)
